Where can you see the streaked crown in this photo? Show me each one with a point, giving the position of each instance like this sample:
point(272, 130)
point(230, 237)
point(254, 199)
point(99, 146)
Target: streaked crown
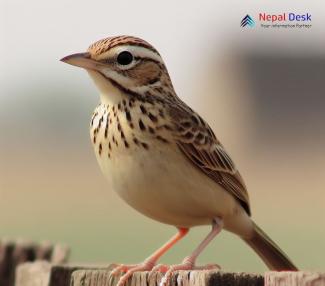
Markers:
point(100, 47)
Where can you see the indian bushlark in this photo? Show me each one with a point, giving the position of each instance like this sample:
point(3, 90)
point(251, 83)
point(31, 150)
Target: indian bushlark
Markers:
point(161, 157)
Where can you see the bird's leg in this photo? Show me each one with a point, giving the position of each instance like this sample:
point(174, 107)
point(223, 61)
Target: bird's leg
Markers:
point(189, 262)
point(150, 262)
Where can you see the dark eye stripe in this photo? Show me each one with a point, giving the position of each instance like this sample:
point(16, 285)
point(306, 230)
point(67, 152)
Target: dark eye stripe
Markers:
point(107, 61)
point(137, 58)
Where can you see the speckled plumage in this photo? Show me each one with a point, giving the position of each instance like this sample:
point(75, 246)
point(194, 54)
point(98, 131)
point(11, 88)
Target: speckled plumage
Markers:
point(160, 156)
point(188, 131)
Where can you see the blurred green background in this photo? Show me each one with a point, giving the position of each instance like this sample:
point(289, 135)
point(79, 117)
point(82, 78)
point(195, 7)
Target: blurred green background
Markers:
point(261, 90)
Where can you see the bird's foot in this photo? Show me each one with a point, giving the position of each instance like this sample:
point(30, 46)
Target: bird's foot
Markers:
point(187, 264)
point(159, 268)
point(128, 270)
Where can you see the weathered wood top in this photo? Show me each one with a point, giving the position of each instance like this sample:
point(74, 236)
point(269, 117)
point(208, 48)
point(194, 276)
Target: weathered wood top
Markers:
point(300, 278)
point(44, 274)
point(193, 278)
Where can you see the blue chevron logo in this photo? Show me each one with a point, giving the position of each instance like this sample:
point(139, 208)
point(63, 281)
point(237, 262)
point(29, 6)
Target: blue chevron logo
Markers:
point(247, 21)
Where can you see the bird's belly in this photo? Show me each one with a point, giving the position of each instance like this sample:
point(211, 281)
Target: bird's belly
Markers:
point(163, 185)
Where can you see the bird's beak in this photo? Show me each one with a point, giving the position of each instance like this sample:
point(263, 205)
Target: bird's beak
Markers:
point(82, 60)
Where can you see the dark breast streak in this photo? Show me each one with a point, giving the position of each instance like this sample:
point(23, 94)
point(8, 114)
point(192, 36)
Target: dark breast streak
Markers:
point(127, 125)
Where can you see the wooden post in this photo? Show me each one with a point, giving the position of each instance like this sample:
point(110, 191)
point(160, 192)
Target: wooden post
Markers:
point(299, 278)
point(185, 278)
point(13, 253)
point(42, 273)
point(46, 274)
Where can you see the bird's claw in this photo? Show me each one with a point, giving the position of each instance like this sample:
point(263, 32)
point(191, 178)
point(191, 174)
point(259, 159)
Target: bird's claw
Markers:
point(169, 270)
point(122, 268)
point(159, 268)
point(128, 271)
point(186, 265)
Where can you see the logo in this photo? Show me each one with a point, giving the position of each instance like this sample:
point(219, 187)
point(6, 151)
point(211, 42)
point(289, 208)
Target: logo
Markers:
point(283, 17)
point(284, 20)
point(247, 21)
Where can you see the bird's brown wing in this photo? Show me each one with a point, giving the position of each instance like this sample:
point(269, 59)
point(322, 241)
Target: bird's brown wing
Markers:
point(197, 141)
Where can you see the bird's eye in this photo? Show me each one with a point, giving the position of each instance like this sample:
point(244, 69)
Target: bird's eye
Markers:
point(124, 58)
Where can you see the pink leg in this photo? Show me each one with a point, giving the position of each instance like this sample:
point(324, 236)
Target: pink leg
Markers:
point(189, 262)
point(150, 262)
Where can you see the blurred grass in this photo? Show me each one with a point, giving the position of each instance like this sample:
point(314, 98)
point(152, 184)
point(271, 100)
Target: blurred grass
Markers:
point(120, 235)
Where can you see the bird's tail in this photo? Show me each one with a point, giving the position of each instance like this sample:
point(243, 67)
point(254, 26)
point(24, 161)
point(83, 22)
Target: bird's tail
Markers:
point(269, 252)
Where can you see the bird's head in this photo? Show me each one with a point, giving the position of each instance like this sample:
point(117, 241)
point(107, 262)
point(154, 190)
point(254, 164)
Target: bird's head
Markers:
point(124, 65)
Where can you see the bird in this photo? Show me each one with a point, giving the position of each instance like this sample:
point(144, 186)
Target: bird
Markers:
point(162, 158)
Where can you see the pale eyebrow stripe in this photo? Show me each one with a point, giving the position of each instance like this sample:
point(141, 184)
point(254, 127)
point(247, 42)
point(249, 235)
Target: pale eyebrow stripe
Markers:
point(137, 45)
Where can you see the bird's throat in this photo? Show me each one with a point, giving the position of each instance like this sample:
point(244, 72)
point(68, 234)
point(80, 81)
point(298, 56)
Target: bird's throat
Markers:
point(109, 94)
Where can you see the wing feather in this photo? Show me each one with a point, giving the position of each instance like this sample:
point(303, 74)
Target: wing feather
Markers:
point(198, 142)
